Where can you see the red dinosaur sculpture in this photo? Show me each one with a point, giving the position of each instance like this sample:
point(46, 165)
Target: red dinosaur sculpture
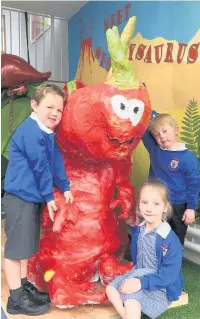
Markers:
point(101, 126)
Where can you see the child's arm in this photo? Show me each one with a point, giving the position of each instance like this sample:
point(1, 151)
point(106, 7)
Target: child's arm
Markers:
point(60, 177)
point(168, 271)
point(35, 152)
point(192, 176)
point(148, 140)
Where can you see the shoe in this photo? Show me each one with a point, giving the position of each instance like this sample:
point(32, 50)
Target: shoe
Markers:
point(26, 306)
point(35, 293)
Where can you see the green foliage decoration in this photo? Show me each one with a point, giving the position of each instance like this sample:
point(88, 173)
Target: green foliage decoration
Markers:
point(190, 134)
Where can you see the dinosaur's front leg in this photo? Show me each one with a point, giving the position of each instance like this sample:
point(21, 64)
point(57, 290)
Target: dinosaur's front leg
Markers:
point(124, 206)
point(110, 268)
point(125, 200)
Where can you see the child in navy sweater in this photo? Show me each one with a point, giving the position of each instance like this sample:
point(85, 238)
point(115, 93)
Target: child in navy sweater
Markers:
point(35, 166)
point(177, 167)
point(155, 280)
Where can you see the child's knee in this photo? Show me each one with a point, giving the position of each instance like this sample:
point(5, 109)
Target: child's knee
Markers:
point(131, 303)
point(133, 309)
point(109, 290)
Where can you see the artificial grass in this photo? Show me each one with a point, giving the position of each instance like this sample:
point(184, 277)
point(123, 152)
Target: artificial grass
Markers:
point(191, 274)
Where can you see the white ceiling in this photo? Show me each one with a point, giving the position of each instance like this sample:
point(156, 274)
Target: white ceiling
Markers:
point(61, 9)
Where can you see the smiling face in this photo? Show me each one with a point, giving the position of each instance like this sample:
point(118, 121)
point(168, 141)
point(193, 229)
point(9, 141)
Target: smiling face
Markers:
point(49, 110)
point(152, 205)
point(105, 122)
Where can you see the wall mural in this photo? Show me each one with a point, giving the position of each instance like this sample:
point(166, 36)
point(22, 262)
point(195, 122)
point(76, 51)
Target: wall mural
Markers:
point(169, 68)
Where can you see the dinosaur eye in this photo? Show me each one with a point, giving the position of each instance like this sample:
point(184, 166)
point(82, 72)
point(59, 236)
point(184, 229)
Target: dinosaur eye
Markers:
point(136, 110)
point(120, 106)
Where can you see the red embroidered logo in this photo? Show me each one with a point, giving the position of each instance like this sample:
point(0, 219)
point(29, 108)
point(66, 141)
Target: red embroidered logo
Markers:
point(174, 164)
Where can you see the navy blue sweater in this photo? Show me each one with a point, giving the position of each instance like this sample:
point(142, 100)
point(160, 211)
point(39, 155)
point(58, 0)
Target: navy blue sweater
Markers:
point(180, 170)
point(35, 164)
point(169, 252)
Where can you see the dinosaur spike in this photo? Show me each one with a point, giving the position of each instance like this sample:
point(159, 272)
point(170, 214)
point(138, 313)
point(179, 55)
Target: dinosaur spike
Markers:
point(116, 31)
point(128, 32)
point(122, 72)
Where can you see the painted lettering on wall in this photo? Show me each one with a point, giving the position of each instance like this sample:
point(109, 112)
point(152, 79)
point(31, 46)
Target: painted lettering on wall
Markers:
point(169, 52)
point(120, 16)
point(104, 60)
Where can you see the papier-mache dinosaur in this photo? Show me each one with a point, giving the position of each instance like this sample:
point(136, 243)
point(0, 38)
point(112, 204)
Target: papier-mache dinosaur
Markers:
point(101, 125)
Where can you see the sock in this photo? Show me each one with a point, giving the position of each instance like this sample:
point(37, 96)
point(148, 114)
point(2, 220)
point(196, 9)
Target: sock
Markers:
point(23, 281)
point(16, 294)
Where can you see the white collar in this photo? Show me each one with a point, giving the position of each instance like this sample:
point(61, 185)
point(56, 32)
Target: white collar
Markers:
point(181, 147)
point(40, 124)
point(163, 230)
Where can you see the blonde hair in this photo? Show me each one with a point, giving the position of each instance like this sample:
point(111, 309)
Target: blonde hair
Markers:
point(159, 120)
point(42, 90)
point(162, 189)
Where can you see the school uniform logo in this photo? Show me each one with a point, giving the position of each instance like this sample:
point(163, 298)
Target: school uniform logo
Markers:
point(174, 164)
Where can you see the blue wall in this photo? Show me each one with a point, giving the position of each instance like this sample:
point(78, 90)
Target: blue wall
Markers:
point(172, 20)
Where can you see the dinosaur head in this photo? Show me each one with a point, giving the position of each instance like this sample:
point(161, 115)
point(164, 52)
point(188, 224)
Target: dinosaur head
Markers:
point(107, 120)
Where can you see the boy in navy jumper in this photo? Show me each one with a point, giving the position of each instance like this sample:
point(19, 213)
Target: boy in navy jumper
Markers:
point(173, 163)
point(35, 166)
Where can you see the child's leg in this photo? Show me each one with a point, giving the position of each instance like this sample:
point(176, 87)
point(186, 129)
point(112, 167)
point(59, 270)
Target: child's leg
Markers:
point(19, 230)
point(12, 270)
point(24, 268)
point(114, 297)
point(176, 222)
point(132, 309)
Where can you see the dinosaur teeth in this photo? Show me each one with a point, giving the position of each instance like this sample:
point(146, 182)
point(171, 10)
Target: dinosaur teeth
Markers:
point(116, 140)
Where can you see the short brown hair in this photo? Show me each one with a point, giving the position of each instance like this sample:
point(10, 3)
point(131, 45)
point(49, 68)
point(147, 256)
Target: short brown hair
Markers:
point(161, 119)
point(42, 90)
point(164, 193)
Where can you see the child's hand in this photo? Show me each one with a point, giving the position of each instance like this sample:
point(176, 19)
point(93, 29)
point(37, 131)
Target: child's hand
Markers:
point(68, 197)
point(132, 221)
point(52, 209)
point(188, 216)
point(130, 286)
